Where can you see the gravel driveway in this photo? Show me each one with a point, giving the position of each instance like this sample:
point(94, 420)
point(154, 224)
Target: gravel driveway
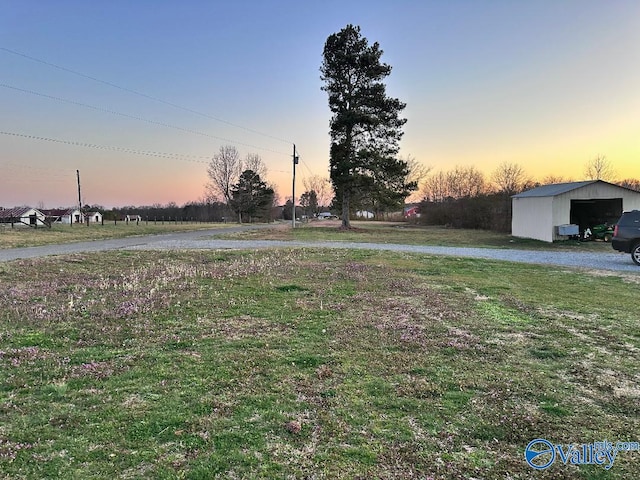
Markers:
point(202, 239)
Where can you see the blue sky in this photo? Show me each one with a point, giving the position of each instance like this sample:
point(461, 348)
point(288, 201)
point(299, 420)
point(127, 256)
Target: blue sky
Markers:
point(546, 84)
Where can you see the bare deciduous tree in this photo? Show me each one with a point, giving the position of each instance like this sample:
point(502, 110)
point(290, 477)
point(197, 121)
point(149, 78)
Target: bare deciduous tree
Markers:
point(460, 182)
point(599, 168)
point(632, 183)
point(322, 187)
point(418, 172)
point(510, 178)
point(435, 187)
point(276, 195)
point(254, 162)
point(553, 179)
point(465, 182)
point(223, 171)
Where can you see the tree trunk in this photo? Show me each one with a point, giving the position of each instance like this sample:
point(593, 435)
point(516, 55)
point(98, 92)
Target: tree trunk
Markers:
point(346, 223)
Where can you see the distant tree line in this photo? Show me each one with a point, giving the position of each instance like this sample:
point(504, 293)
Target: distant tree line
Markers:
point(464, 198)
point(199, 211)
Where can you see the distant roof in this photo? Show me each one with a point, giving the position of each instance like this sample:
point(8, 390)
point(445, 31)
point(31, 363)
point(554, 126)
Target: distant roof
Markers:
point(59, 212)
point(15, 212)
point(555, 189)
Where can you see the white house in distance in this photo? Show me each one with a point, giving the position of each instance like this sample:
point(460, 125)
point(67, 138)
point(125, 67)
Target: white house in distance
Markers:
point(94, 217)
point(22, 216)
point(66, 216)
point(538, 213)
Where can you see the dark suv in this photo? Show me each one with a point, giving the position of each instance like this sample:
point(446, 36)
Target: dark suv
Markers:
point(626, 235)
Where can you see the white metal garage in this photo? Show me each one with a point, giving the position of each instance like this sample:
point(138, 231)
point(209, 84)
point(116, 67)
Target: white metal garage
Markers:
point(538, 213)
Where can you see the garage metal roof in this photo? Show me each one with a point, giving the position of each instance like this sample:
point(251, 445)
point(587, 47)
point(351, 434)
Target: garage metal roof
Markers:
point(554, 189)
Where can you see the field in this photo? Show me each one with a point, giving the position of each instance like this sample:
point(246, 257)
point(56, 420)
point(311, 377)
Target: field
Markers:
point(298, 363)
point(375, 232)
point(30, 237)
point(403, 233)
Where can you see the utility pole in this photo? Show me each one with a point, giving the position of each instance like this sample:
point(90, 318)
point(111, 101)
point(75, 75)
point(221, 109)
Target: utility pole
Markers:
point(79, 196)
point(293, 196)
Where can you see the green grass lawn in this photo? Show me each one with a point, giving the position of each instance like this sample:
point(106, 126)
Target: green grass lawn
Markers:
point(404, 233)
point(310, 364)
point(30, 237)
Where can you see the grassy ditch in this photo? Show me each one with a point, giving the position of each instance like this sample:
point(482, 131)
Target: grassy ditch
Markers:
point(310, 364)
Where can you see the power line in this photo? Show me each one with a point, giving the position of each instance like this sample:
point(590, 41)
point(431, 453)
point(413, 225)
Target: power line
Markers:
point(134, 117)
point(311, 174)
point(304, 164)
point(158, 154)
point(150, 97)
point(173, 156)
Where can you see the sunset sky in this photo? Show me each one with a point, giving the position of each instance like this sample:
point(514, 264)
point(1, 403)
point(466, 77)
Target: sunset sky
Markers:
point(138, 95)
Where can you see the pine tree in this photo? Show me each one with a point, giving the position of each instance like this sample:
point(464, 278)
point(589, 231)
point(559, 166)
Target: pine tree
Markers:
point(251, 198)
point(366, 127)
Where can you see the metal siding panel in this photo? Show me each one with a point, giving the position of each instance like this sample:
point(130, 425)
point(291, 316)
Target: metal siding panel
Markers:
point(603, 191)
point(631, 201)
point(561, 210)
point(532, 218)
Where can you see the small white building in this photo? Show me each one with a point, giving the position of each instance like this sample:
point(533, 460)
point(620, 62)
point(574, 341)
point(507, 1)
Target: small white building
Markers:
point(538, 213)
point(66, 216)
point(94, 217)
point(364, 214)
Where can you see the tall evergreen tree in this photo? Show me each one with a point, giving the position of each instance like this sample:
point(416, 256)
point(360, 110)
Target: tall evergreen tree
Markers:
point(366, 127)
point(251, 197)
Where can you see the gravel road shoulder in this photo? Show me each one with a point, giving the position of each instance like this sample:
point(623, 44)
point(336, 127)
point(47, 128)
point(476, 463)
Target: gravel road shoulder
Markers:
point(589, 260)
point(205, 239)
